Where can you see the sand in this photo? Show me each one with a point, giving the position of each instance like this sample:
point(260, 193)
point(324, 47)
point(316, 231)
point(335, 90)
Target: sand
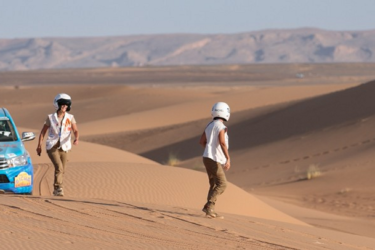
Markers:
point(120, 192)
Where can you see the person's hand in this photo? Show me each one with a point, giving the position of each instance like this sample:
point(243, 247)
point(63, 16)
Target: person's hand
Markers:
point(39, 150)
point(227, 165)
point(75, 142)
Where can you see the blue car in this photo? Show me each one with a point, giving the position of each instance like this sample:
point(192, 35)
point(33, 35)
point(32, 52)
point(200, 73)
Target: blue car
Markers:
point(16, 169)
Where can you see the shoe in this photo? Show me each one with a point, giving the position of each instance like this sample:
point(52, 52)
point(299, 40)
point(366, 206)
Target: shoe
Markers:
point(58, 192)
point(208, 205)
point(209, 211)
point(204, 209)
point(214, 216)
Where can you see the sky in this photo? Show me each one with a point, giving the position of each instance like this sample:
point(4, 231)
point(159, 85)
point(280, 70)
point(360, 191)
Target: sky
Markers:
point(93, 18)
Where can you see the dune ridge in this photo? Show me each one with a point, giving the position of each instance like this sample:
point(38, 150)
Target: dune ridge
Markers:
point(305, 45)
point(120, 196)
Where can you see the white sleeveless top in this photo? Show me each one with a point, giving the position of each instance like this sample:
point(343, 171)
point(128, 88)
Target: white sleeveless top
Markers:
point(60, 132)
point(213, 149)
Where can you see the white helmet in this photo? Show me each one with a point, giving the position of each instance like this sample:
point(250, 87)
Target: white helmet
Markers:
point(222, 110)
point(62, 99)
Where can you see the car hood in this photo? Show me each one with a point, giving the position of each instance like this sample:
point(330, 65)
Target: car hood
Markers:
point(11, 149)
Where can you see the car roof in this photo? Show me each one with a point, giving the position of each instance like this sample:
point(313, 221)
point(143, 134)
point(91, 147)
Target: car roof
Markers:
point(4, 115)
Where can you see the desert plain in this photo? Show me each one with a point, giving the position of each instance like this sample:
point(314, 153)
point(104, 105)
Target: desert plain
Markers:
point(301, 142)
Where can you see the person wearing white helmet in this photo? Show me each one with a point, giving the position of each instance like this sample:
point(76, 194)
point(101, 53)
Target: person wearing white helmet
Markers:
point(216, 156)
point(60, 126)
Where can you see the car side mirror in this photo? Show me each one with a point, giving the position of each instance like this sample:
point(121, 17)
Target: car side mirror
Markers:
point(28, 136)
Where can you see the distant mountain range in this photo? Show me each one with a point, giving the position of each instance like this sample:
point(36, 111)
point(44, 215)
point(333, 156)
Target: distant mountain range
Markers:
point(267, 46)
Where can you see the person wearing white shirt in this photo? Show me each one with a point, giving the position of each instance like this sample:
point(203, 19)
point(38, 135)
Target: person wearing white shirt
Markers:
point(216, 156)
point(60, 126)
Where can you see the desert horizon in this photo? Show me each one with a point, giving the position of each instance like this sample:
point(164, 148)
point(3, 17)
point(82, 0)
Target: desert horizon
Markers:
point(301, 150)
point(269, 46)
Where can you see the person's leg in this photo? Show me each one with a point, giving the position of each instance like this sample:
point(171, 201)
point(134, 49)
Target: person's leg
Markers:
point(64, 159)
point(220, 183)
point(217, 180)
point(210, 173)
point(55, 158)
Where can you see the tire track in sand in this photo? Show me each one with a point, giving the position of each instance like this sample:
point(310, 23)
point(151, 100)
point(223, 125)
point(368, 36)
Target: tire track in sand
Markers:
point(41, 185)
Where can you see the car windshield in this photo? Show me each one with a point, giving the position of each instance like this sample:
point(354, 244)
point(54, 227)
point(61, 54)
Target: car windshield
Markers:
point(7, 131)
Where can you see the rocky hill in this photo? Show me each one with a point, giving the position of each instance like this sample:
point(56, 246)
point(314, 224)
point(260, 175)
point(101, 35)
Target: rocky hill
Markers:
point(266, 46)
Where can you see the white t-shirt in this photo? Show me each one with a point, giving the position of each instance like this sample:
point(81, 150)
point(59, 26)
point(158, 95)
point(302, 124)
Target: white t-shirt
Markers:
point(213, 149)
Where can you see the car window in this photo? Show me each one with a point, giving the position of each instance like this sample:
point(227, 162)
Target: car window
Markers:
point(7, 131)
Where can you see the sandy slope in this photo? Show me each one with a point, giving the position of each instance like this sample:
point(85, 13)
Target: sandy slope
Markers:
point(273, 149)
point(102, 172)
point(81, 223)
point(185, 111)
point(116, 199)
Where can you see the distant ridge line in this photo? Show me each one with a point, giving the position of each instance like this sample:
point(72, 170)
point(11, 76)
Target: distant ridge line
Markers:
point(304, 45)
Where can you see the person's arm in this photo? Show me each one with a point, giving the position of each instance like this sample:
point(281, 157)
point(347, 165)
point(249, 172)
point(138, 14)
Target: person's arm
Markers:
point(203, 140)
point(76, 134)
point(41, 137)
point(224, 147)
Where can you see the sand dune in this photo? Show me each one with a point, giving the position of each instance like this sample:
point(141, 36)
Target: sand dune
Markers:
point(119, 194)
point(102, 172)
point(273, 149)
point(153, 184)
point(240, 99)
point(283, 142)
point(61, 223)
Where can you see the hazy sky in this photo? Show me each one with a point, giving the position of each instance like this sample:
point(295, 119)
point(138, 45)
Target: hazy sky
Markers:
point(80, 18)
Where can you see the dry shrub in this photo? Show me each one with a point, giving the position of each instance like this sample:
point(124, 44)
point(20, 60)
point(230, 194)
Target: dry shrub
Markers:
point(172, 160)
point(313, 172)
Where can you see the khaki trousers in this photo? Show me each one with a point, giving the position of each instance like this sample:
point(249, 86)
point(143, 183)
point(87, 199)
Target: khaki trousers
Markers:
point(217, 180)
point(59, 159)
